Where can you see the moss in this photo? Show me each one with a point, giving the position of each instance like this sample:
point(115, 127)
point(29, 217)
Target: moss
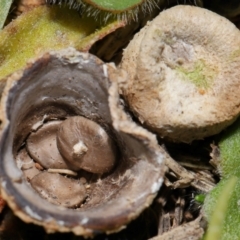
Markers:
point(200, 75)
point(199, 198)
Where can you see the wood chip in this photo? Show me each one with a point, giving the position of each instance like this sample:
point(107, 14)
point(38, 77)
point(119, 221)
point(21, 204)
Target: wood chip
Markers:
point(188, 231)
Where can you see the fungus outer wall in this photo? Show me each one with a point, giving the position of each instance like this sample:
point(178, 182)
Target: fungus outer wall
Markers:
point(68, 83)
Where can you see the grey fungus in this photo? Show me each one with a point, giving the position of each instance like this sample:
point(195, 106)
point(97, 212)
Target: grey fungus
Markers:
point(42, 146)
point(183, 74)
point(84, 144)
point(58, 89)
point(26, 164)
point(59, 190)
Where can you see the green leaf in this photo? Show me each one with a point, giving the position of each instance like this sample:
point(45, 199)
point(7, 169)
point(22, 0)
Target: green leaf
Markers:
point(224, 193)
point(229, 146)
point(115, 5)
point(126, 10)
point(4, 9)
point(47, 28)
point(223, 204)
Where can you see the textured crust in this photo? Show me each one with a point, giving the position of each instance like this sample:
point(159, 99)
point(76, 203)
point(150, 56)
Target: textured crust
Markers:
point(184, 73)
point(130, 57)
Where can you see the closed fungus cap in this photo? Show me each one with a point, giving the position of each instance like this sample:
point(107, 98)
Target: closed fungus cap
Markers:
point(183, 73)
point(56, 89)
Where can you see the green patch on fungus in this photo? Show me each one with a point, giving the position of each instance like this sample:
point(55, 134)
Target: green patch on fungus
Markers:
point(234, 54)
point(158, 33)
point(200, 75)
point(168, 40)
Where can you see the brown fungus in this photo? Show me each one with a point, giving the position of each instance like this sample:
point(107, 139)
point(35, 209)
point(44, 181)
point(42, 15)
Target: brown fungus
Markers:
point(42, 146)
point(86, 145)
point(26, 164)
point(183, 73)
point(58, 86)
point(58, 189)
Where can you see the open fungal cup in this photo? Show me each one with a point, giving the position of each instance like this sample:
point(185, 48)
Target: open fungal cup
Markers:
point(62, 163)
point(183, 73)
